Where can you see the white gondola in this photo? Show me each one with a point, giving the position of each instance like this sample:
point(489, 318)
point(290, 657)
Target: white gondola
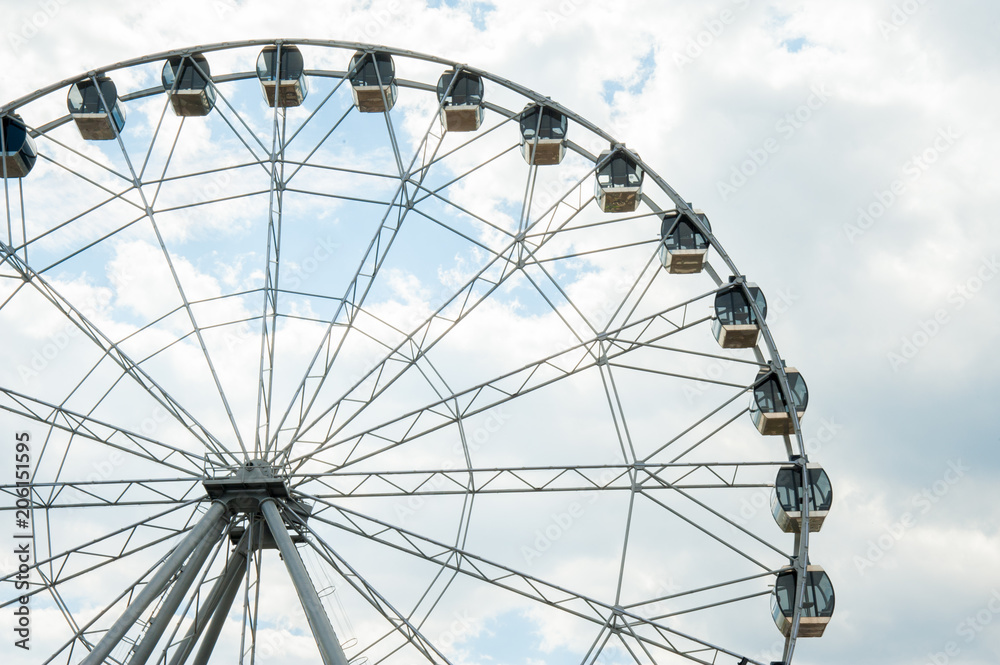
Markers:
point(18, 148)
point(817, 604)
point(283, 78)
point(735, 325)
point(543, 135)
point(373, 81)
point(187, 79)
point(786, 501)
point(685, 247)
point(461, 97)
point(95, 109)
point(618, 187)
point(769, 407)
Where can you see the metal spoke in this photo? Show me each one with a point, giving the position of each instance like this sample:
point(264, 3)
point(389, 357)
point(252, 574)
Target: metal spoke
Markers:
point(488, 395)
point(504, 577)
point(147, 204)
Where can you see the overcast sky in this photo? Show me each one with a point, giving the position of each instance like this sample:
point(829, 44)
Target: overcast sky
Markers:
point(846, 155)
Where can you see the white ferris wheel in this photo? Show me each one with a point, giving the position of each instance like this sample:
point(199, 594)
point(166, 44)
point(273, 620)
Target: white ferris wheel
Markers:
point(332, 352)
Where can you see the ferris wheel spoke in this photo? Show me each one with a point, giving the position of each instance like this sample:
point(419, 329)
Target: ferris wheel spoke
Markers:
point(591, 252)
point(236, 114)
point(638, 642)
point(505, 578)
point(77, 218)
point(391, 129)
point(597, 648)
point(625, 543)
point(485, 396)
point(405, 204)
point(67, 615)
point(60, 563)
point(345, 483)
point(250, 614)
point(269, 314)
point(436, 192)
point(319, 107)
point(407, 352)
point(422, 331)
point(401, 624)
point(715, 536)
point(617, 412)
point(450, 204)
point(76, 153)
point(94, 493)
point(80, 633)
point(328, 349)
point(113, 351)
point(730, 522)
point(704, 419)
point(147, 204)
point(632, 288)
point(355, 297)
point(299, 165)
point(659, 616)
point(101, 432)
point(94, 243)
point(486, 248)
point(480, 137)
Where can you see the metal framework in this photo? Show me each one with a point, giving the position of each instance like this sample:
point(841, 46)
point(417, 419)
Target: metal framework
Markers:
point(480, 381)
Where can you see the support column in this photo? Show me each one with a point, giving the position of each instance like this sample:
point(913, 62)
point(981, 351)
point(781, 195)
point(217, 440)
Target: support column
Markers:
point(221, 613)
point(157, 583)
point(319, 622)
point(174, 598)
point(212, 605)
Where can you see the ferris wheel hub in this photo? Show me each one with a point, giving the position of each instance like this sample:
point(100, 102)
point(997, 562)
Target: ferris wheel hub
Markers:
point(243, 490)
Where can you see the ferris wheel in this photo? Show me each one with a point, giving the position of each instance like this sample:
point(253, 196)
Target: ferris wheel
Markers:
point(347, 354)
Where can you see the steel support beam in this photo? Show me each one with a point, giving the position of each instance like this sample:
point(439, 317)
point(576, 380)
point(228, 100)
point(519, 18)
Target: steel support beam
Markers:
point(319, 622)
point(230, 577)
point(221, 613)
point(157, 583)
point(177, 593)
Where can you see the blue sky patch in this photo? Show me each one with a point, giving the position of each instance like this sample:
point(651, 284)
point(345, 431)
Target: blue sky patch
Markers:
point(794, 45)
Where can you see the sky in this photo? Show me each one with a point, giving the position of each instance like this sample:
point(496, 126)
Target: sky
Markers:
point(844, 153)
